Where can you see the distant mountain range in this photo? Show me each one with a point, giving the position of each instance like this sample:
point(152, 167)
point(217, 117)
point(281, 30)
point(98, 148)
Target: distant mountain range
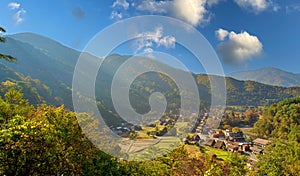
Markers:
point(270, 76)
point(45, 70)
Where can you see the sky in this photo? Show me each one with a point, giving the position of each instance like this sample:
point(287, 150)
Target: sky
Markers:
point(246, 34)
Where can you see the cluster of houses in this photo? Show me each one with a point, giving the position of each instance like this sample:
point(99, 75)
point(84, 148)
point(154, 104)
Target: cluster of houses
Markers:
point(231, 142)
point(235, 142)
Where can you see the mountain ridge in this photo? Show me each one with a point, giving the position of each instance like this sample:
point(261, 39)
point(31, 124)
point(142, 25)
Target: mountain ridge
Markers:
point(270, 76)
point(46, 64)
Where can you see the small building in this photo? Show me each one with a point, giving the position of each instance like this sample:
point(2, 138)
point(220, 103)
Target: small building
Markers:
point(232, 148)
point(235, 136)
point(211, 132)
point(219, 145)
point(210, 143)
point(256, 150)
point(219, 134)
point(196, 137)
point(251, 162)
point(260, 142)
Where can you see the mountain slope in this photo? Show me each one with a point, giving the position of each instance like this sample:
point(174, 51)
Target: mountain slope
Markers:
point(33, 89)
point(64, 55)
point(271, 76)
point(53, 65)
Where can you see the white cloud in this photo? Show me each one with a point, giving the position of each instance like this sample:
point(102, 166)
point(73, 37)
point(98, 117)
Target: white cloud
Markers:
point(121, 3)
point(240, 48)
point(148, 50)
point(18, 16)
point(155, 38)
point(155, 6)
point(116, 15)
point(257, 5)
point(14, 5)
point(221, 34)
point(192, 11)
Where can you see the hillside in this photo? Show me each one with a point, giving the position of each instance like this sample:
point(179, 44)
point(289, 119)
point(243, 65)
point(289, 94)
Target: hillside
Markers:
point(270, 76)
point(53, 65)
point(34, 90)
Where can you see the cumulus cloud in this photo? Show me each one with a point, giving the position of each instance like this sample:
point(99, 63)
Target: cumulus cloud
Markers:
point(155, 38)
point(239, 48)
point(257, 5)
point(221, 34)
point(121, 3)
point(14, 5)
point(192, 11)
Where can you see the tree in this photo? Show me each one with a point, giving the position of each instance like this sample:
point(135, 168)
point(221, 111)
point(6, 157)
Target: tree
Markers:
point(236, 130)
point(5, 56)
point(279, 120)
point(47, 141)
point(280, 158)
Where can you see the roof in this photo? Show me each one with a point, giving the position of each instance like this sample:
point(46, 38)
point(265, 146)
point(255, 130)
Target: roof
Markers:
point(234, 143)
point(232, 147)
point(256, 149)
point(235, 134)
point(210, 142)
point(261, 141)
point(219, 144)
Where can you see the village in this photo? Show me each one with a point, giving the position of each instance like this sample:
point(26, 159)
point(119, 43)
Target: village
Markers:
point(229, 140)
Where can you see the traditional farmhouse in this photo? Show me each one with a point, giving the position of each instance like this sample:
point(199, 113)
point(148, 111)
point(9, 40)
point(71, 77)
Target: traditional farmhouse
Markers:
point(210, 143)
point(259, 145)
point(234, 136)
point(219, 145)
point(260, 142)
point(219, 135)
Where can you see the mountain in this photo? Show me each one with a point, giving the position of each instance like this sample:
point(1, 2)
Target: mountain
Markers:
point(45, 61)
point(33, 89)
point(271, 76)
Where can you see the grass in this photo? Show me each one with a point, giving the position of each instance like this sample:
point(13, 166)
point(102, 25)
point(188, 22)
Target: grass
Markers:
point(221, 154)
point(194, 152)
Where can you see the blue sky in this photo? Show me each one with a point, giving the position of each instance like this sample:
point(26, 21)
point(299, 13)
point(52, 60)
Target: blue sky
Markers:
point(247, 34)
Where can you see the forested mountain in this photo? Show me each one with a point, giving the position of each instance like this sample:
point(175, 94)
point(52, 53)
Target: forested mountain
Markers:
point(43, 139)
point(270, 76)
point(281, 124)
point(35, 91)
point(53, 64)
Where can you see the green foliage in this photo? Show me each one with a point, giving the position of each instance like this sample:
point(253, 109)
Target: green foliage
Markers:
point(237, 165)
point(46, 141)
point(35, 91)
point(280, 158)
point(239, 119)
point(279, 120)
